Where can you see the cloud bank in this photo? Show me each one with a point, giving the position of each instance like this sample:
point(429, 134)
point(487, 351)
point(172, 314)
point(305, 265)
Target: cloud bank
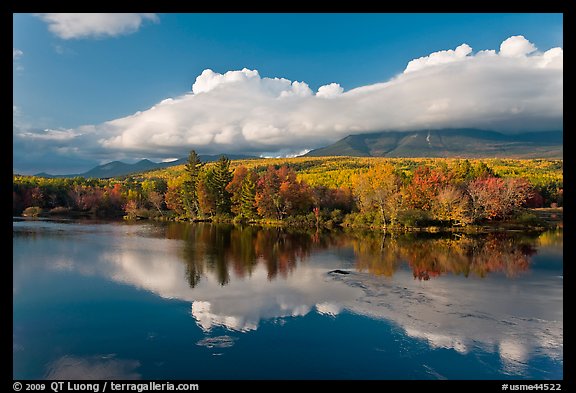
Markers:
point(514, 88)
point(94, 25)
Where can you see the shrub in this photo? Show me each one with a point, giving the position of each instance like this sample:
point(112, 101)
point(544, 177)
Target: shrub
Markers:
point(369, 219)
point(414, 218)
point(222, 218)
point(59, 210)
point(131, 209)
point(301, 221)
point(528, 218)
point(32, 211)
point(333, 218)
point(240, 220)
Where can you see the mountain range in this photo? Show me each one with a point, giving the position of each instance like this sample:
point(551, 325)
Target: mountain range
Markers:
point(119, 168)
point(464, 143)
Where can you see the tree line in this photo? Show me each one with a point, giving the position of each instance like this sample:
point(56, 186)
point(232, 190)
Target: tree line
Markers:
point(379, 195)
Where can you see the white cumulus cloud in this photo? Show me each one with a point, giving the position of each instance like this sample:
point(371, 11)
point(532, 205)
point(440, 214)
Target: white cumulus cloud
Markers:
point(553, 58)
point(94, 25)
point(209, 80)
point(241, 110)
point(516, 46)
point(516, 88)
point(441, 57)
point(330, 91)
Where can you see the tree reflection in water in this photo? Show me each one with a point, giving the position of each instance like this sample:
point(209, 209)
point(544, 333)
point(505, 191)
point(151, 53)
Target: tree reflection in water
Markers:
point(431, 256)
point(223, 250)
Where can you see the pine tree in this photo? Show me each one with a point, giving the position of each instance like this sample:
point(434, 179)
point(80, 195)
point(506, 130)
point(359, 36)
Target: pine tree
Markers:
point(248, 197)
point(222, 175)
point(189, 194)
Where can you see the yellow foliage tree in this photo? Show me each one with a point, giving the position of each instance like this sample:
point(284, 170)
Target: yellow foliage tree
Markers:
point(378, 189)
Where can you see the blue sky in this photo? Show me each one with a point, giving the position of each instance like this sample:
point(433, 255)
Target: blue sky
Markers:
point(84, 86)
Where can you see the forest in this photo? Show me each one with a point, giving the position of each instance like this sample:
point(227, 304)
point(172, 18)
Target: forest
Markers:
point(383, 193)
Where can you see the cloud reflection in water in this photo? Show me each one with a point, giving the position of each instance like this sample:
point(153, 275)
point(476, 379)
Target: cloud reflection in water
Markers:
point(99, 367)
point(430, 288)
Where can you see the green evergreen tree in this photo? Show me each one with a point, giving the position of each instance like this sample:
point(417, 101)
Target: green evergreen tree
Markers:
point(248, 197)
point(189, 194)
point(222, 175)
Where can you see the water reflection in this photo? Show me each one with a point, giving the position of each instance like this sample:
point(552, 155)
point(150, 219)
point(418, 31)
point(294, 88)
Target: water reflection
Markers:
point(99, 367)
point(430, 257)
point(466, 293)
point(499, 316)
point(222, 250)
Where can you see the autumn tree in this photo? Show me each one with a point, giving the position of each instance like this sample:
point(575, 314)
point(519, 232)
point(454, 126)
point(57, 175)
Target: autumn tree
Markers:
point(268, 194)
point(115, 194)
point(461, 171)
point(481, 170)
point(86, 198)
point(112, 200)
point(496, 198)
point(327, 198)
point(147, 187)
point(453, 205)
point(131, 209)
point(156, 199)
point(173, 196)
point(206, 197)
point(152, 193)
point(235, 188)
point(378, 190)
point(424, 187)
point(280, 194)
point(36, 196)
point(295, 196)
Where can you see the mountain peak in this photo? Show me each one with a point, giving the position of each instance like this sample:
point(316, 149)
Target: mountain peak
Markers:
point(119, 168)
point(464, 142)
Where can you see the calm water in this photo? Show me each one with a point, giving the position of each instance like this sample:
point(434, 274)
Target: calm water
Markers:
point(182, 301)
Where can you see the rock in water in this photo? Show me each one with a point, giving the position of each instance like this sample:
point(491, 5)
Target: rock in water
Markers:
point(338, 271)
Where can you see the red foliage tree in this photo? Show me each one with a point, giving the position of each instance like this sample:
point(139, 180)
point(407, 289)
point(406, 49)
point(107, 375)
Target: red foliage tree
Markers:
point(425, 186)
point(279, 194)
point(496, 198)
point(535, 200)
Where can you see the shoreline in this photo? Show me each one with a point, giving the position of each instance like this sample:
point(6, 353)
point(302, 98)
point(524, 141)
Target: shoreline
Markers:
point(550, 218)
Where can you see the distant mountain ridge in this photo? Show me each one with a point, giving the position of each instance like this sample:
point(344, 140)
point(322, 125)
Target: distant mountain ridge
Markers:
point(119, 168)
point(448, 143)
point(464, 143)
